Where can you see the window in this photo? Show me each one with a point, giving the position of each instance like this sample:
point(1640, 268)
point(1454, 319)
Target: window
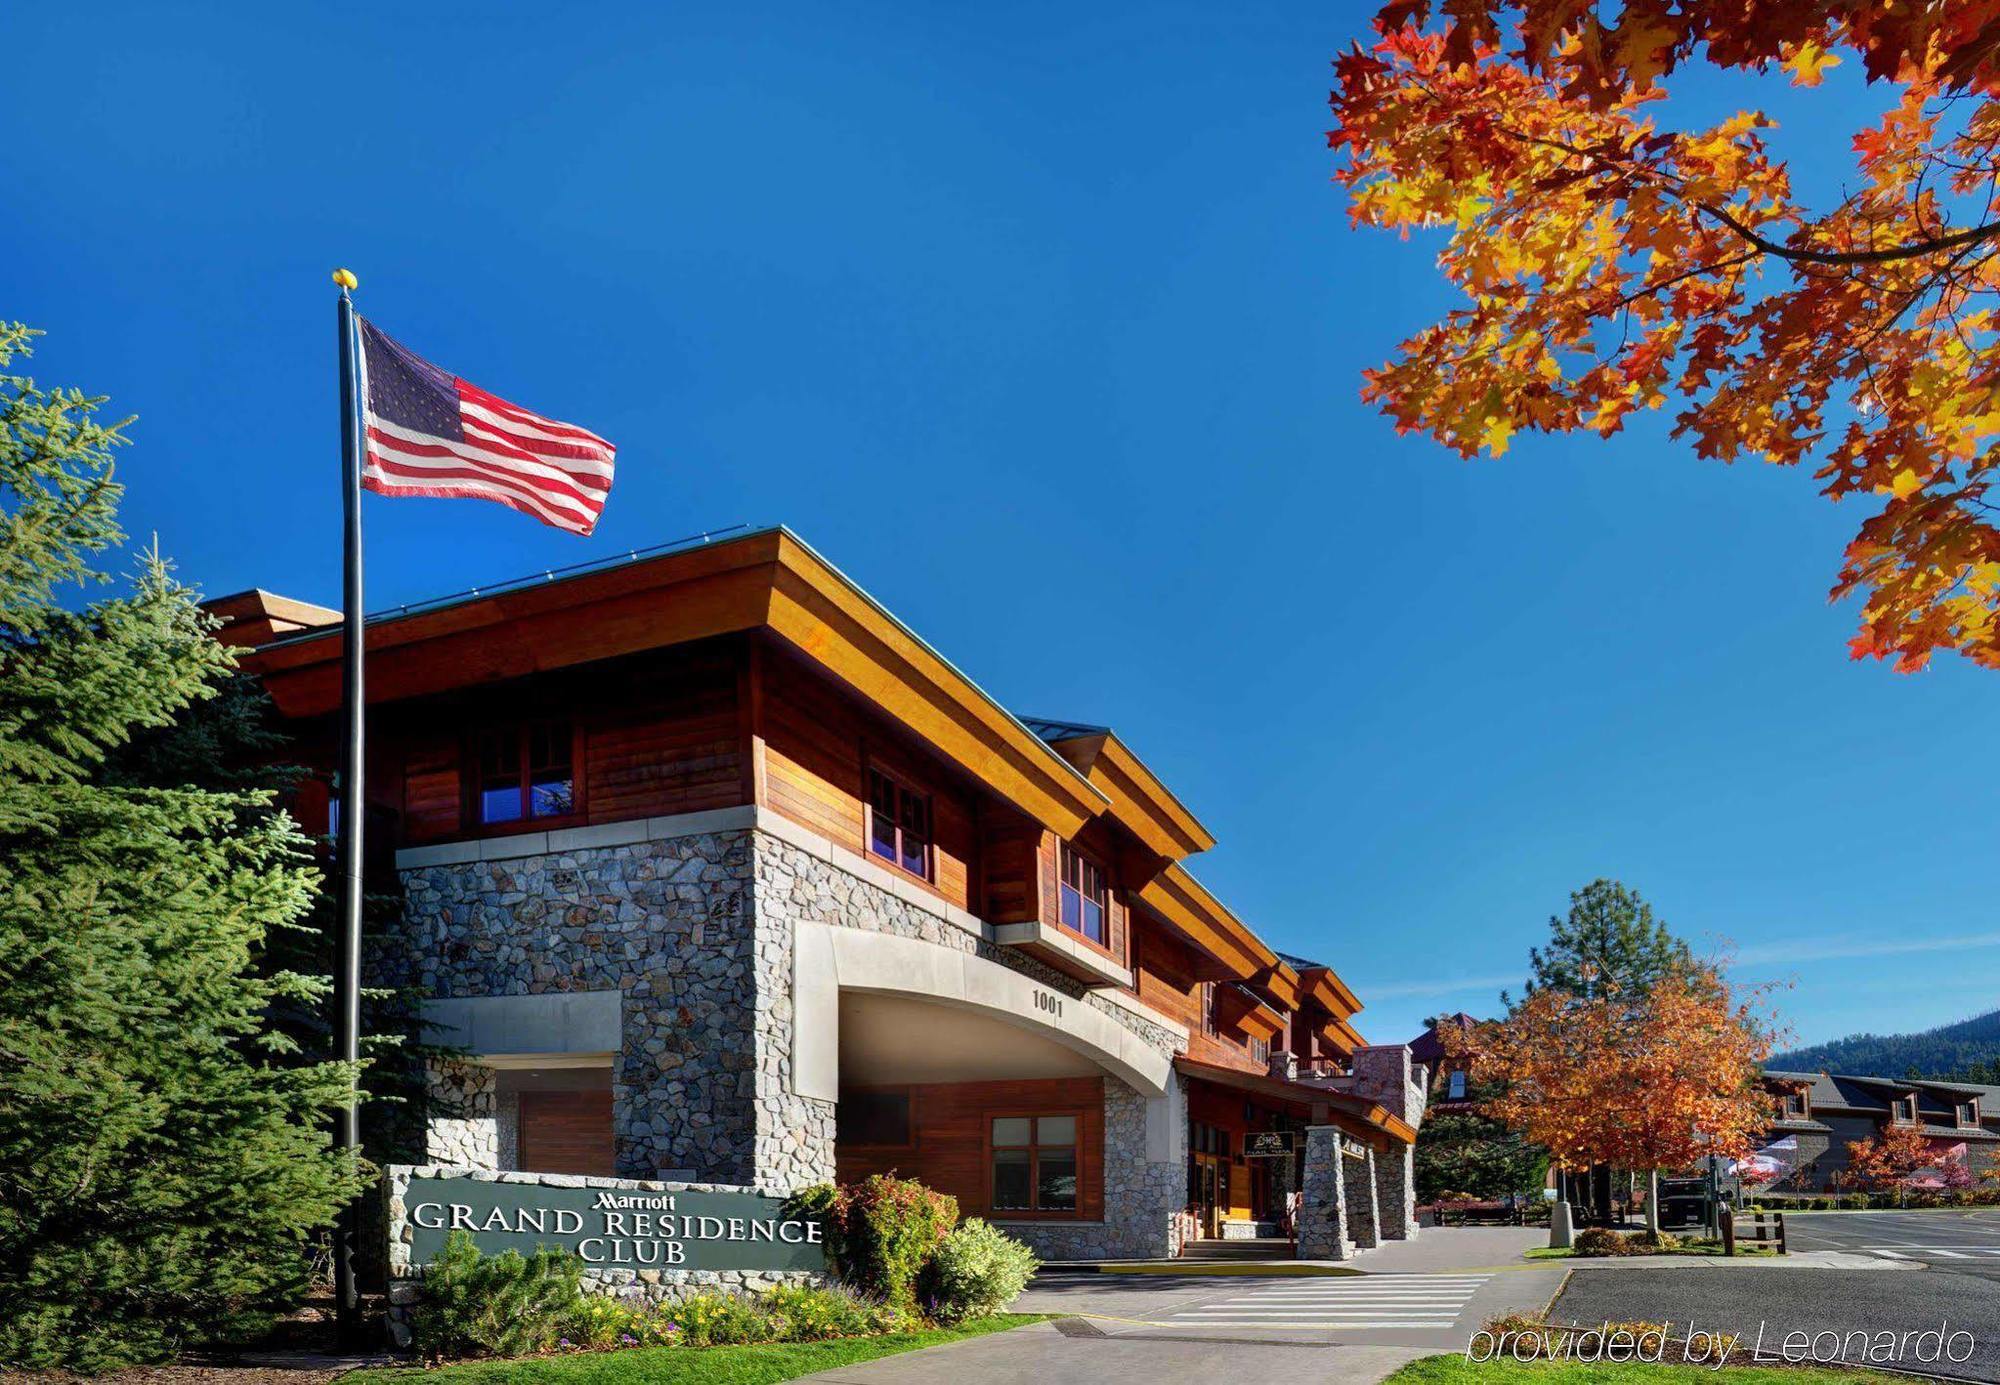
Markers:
point(1968, 1113)
point(1208, 1008)
point(1034, 1163)
point(872, 1118)
point(1457, 1088)
point(1906, 1110)
point(1204, 1138)
point(1082, 895)
point(524, 772)
point(899, 824)
point(1260, 1049)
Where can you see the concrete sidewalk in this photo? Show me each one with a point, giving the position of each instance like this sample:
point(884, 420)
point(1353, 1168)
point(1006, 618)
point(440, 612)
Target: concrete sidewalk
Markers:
point(1044, 1355)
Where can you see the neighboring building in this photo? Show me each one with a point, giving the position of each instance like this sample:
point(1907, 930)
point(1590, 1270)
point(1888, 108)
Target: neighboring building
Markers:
point(1448, 1074)
point(718, 872)
point(1817, 1115)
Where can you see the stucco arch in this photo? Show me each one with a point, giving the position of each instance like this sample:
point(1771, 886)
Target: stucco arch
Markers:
point(827, 960)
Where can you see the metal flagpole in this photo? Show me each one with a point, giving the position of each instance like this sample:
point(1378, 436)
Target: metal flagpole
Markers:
point(347, 967)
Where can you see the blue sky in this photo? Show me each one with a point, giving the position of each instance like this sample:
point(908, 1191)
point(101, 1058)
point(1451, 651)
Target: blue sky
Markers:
point(1044, 323)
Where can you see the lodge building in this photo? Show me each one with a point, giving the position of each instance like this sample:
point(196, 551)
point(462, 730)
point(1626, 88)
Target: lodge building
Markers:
point(713, 870)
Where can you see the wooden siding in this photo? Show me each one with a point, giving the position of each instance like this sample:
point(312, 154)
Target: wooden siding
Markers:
point(819, 744)
point(671, 745)
point(566, 1132)
point(654, 736)
point(1010, 848)
point(949, 1141)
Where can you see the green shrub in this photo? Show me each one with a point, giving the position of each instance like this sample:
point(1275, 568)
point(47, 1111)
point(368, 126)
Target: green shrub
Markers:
point(1600, 1241)
point(800, 1313)
point(882, 1232)
point(713, 1320)
point(978, 1269)
point(499, 1305)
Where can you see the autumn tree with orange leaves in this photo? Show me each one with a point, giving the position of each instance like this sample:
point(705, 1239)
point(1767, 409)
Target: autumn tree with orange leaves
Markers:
point(1892, 1157)
point(1642, 1081)
point(1612, 261)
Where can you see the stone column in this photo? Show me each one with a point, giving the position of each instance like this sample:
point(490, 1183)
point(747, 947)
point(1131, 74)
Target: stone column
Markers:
point(1396, 1188)
point(1358, 1173)
point(1323, 1203)
point(459, 1126)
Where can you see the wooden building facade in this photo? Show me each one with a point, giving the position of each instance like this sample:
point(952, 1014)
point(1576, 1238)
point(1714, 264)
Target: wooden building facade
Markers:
point(745, 697)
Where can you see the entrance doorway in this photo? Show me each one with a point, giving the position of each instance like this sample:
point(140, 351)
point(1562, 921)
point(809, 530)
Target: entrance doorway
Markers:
point(1208, 1192)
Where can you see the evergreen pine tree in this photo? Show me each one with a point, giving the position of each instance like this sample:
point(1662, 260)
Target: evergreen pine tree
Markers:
point(1609, 941)
point(160, 1172)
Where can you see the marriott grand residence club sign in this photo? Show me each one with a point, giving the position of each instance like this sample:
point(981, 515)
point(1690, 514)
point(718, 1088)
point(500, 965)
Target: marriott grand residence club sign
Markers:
point(614, 1228)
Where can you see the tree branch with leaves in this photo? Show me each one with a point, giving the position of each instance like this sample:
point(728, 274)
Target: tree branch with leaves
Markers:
point(1613, 263)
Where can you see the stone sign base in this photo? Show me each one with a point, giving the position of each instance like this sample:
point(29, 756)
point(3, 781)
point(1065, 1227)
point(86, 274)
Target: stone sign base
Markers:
point(639, 1285)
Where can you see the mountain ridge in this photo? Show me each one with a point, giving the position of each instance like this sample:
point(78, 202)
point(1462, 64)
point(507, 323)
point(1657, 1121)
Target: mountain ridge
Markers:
point(1970, 1048)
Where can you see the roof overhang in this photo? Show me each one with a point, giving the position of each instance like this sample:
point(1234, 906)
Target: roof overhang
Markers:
point(1356, 1115)
point(1139, 801)
point(1179, 900)
point(1324, 986)
point(768, 579)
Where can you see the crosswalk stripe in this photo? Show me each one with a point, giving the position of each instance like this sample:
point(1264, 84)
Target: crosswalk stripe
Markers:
point(1359, 1322)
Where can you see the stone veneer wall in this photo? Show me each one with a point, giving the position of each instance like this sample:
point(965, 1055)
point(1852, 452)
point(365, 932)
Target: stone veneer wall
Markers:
point(1322, 1229)
point(667, 923)
point(696, 933)
point(794, 886)
point(643, 1285)
point(461, 1125)
point(1358, 1172)
point(1385, 1074)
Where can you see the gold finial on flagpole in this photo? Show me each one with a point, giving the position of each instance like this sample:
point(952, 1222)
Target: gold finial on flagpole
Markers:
point(345, 278)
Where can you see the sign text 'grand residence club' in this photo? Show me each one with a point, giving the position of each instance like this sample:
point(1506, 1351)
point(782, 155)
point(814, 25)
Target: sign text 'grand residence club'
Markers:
point(720, 879)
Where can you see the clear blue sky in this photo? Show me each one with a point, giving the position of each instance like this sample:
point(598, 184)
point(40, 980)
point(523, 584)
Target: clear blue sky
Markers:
point(1044, 322)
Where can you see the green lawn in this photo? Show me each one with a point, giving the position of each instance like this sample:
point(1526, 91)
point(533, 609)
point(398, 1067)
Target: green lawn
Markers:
point(752, 1365)
point(1450, 1370)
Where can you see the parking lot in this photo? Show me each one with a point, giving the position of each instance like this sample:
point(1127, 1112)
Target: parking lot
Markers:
point(1963, 1242)
point(1940, 1270)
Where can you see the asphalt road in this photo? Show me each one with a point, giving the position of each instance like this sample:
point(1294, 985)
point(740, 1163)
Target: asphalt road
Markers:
point(1965, 1242)
point(1843, 1313)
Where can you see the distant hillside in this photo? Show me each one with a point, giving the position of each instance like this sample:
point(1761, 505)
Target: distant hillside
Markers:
point(1962, 1049)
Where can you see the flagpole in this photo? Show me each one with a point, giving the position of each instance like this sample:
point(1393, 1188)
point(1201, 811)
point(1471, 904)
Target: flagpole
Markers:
point(353, 810)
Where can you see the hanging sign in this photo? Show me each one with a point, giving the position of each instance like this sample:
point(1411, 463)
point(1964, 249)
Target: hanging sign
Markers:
point(1269, 1144)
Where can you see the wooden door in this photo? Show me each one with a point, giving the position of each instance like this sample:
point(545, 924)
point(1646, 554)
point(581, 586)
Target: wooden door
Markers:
point(566, 1132)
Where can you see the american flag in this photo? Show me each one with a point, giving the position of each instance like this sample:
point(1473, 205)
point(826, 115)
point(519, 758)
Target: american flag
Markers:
point(431, 433)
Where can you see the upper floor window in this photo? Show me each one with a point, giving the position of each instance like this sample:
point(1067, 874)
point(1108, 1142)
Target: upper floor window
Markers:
point(1083, 902)
point(1906, 1110)
point(1208, 1007)
point(1457, 1088)
point(1260, 1048)
point(1968, 1113)
point(899, 824)
point(525, 771)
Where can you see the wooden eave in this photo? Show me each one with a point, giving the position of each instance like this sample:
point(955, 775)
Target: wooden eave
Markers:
point(1247, 1012)
point(1180, 901)
point(1342, 1035)
point(1356, 1115)
point(1139, 801)
point(1262, 1021)
point(768, 579)
point(1322, 986)
point(1280, 984)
